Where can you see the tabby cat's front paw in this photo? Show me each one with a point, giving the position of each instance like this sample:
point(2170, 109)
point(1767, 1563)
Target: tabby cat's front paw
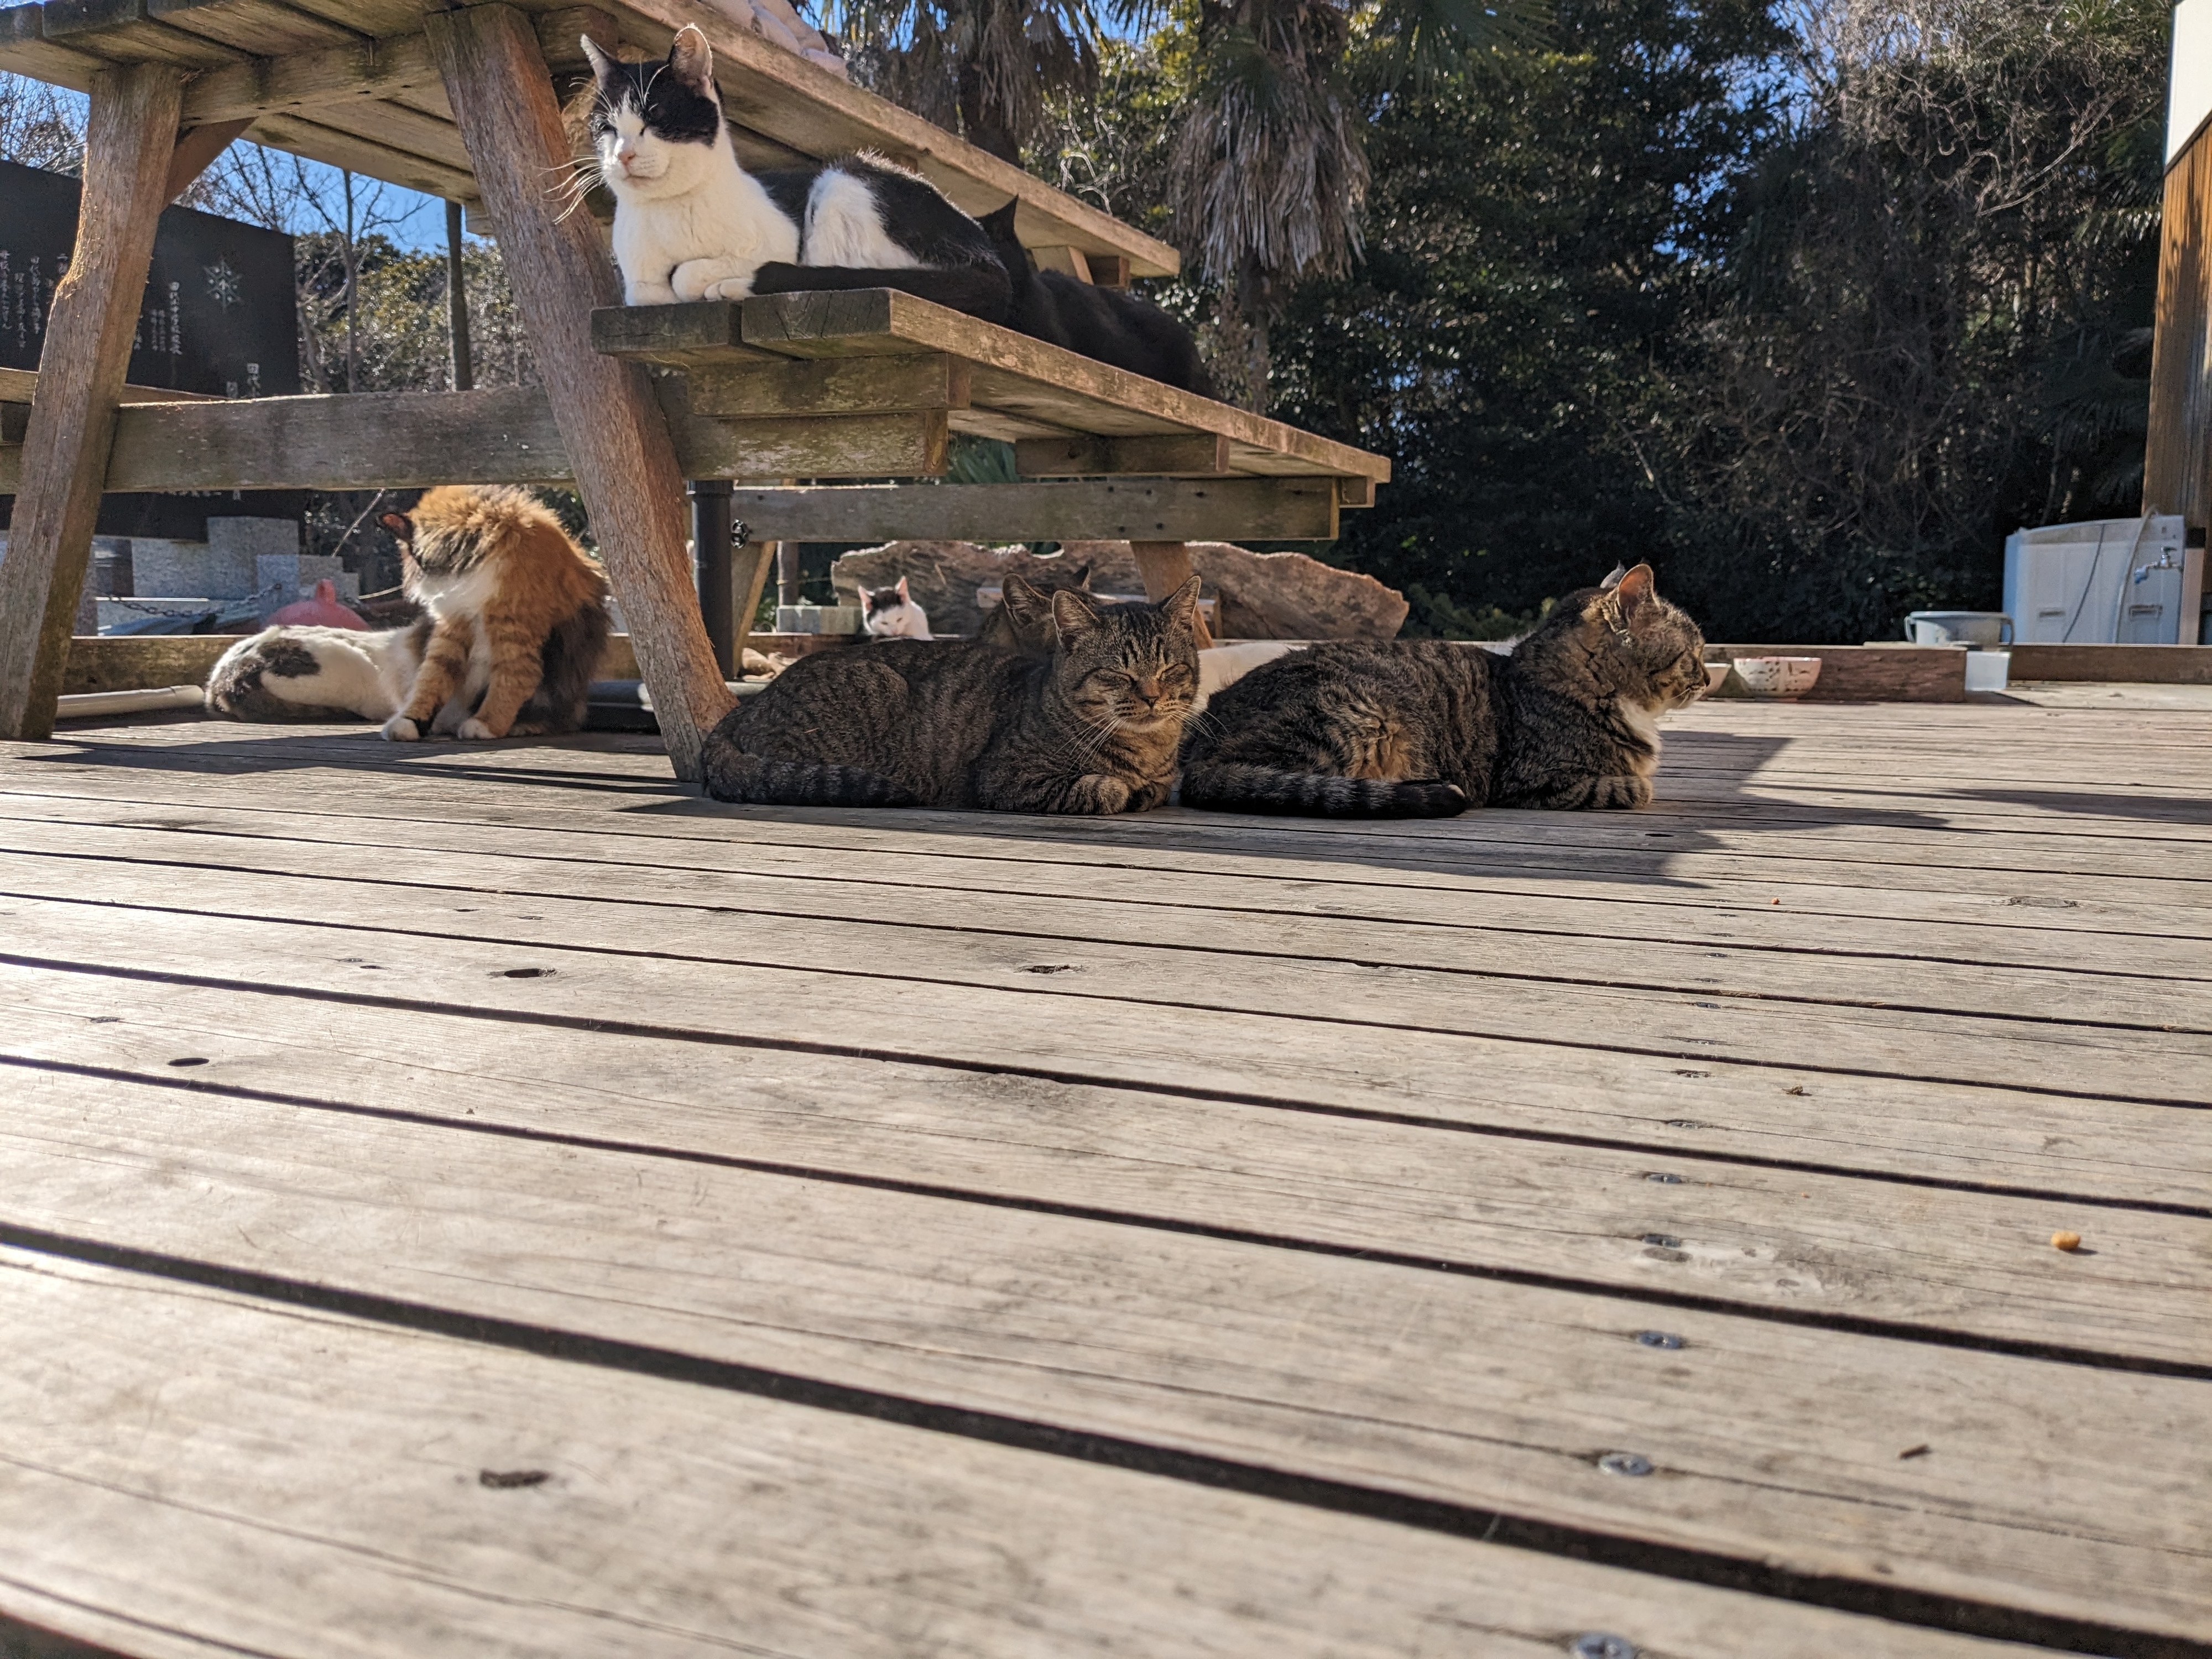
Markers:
point(1096, 792)
point(473, 730)
point(400, 729)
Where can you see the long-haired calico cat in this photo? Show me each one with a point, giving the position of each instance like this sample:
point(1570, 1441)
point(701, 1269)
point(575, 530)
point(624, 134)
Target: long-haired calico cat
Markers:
point(1092, 727)
point(690, 223)
point(1125, 330)
point(1427, 728)
point(518, 614)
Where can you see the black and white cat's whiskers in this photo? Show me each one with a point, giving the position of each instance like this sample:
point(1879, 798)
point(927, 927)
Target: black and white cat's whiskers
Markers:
point(691, 223)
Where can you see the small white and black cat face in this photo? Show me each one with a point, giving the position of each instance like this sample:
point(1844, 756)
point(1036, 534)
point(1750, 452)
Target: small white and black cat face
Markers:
point(656, 126)
point(891, 613)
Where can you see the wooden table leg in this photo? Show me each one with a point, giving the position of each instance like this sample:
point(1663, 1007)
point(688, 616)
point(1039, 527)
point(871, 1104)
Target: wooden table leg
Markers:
point(1165, 566)
point(128, 145)
point(617, 438)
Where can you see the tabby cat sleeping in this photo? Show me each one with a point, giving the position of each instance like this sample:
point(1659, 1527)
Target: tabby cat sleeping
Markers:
point(1092, 727)
point(1427, 728)
point(517, 615)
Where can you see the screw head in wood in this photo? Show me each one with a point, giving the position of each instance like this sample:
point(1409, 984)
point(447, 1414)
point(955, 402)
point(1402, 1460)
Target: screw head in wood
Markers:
point(1597, 1644)
point(1628, 1463)
point(1659, 1340)
point(1664, 1241)
point(1663, 1178)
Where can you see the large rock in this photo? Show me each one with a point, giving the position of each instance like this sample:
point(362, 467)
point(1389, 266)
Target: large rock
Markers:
point(1259, 596)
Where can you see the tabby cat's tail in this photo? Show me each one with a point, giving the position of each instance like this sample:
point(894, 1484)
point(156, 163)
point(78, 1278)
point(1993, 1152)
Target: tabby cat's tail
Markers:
point(1231, 787)
point(734, 774)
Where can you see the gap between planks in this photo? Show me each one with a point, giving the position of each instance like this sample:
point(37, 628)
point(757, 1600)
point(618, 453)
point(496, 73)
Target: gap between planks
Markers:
point(824, 1559)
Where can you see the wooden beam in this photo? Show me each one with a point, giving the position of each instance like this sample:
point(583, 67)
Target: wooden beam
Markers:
point(1165, 566)
point(2177, 446)
point(330, 79)
point(1355, 492)
point(1302, 509)
point(609, 421)
point(781, 387)
point(20, 385)
point(266, 29)
point(1068, 261)
point(505, 435)
point(1014, 376)
point(195, 152)
point(132, 130)
point(125, 30)
point(343, 148)
point(25, 49)
point(1109, 269)
point(1194, 455)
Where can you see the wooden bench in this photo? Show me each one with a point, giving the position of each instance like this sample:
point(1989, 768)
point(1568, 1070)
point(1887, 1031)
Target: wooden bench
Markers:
point(467, 103)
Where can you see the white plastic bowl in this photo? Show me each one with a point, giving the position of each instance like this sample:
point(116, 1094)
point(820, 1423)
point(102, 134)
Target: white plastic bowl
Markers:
point(1778, 678)
point(1715, 673)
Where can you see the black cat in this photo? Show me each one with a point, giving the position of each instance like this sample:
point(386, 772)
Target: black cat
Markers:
point(1121, 329)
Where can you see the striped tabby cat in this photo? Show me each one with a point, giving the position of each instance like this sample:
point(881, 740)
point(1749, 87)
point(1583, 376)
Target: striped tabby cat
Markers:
point(1427, 728)
point(1091, 727)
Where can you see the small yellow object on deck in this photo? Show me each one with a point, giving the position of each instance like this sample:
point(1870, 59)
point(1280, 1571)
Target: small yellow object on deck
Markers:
point(2065, 1241)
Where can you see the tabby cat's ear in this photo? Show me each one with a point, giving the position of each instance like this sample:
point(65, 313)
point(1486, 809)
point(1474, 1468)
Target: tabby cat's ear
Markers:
point(691, 61)
point(605, 68)
point(1073, 615)
point(1180, 607)
point(399, 525)
point(1019, 598)
point(1613, 577)
point(1081, 579)
point(1636, 589)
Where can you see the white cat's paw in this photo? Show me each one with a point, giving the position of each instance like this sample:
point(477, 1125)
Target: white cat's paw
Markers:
point(731, 287)
point(400, 729)
point(649, 294)
point(698, 279)
point(473, 730)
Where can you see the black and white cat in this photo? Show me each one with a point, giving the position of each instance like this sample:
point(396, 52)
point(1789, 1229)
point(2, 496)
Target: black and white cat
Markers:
point(690, 223)
point(1125, 330)
point(893, 613)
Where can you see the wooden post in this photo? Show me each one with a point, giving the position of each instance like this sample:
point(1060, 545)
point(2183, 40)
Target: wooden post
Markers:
point(457, 301)
point(711, 559)
point(129, 143)
point(1165, 566)
point(610, 423)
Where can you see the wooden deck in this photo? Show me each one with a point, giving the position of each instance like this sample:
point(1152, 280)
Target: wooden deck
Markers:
point(481, 1202)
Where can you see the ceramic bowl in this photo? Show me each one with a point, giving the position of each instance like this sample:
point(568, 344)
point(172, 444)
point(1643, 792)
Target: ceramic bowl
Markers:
point(1715, 673)
point(1779, 678)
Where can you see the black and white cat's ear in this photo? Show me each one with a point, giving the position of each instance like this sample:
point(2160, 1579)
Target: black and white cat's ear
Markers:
point(1636, 589)
point(400, 525)
point(691, 60)
point(605, 68)
point(1180, 607)
point(905, 598)
point(1073, 615)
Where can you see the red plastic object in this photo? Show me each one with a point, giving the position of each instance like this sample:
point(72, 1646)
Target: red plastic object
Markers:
point(323, 610)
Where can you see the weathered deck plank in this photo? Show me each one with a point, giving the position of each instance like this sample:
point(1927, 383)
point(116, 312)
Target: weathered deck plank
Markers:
point(254, 1506)
point(1323, 1151)
point(1091, 1327)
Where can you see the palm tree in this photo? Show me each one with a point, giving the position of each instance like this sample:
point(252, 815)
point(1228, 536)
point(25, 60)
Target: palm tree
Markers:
point(984, 69)
point(1268, 172)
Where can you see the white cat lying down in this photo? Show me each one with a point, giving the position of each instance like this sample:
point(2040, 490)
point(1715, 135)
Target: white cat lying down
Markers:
point(296, 673)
